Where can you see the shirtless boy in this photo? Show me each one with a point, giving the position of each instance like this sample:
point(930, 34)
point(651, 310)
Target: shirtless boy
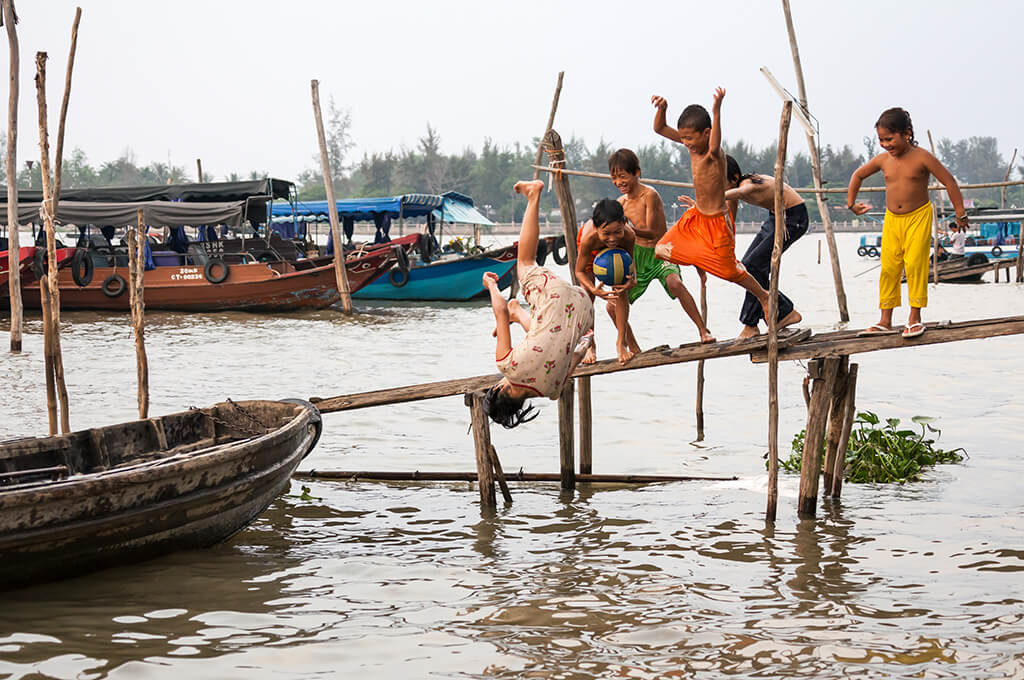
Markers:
point(646, 213)
point(907, 228)
point(608, 229)
point(705, 235)
point(759, 190)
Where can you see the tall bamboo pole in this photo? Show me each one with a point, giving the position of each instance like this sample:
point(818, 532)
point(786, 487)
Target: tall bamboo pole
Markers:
point(700, 364)
point(551, 122)
point(325, 168)
point(14, 282)
point(136, 272)
point(1009, 169)
point(199, 170)
point(51, 296)
point(773, 313)
point(935, 224)
point(58, 158)
point(826, 219)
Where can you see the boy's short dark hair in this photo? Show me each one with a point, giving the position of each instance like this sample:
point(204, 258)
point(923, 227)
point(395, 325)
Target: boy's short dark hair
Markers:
point(696, 117)
point(507, 411)
point(607, 210)
point(733, 174)
point(624, 159)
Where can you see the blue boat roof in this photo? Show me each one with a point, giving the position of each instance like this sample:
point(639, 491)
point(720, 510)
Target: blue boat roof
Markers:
point(456, 207)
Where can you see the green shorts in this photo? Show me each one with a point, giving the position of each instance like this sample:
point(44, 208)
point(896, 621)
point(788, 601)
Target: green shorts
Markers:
point(649, 268)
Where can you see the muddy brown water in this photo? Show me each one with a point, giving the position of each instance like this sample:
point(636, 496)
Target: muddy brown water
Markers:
point(399, 580)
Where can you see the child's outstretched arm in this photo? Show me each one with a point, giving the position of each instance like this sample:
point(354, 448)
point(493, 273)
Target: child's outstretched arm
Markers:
point(501, 316)
point(661, 126)
point(947, 180)
point(859, 175)
point(715, 143)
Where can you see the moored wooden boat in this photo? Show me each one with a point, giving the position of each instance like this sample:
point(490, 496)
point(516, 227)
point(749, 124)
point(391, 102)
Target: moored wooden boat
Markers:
point(113, 495)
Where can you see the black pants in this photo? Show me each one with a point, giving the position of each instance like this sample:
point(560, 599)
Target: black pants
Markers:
point(758, 260)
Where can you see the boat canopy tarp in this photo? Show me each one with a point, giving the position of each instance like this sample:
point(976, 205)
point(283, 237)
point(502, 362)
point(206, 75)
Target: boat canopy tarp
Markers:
point(156, 213)
point(457, 208)
point(207, 192)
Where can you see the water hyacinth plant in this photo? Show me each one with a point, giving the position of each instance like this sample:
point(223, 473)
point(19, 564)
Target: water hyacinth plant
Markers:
point(878, 453)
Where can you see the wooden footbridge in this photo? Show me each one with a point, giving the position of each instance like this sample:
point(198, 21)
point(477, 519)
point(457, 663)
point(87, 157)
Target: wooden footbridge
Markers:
point(830, 401)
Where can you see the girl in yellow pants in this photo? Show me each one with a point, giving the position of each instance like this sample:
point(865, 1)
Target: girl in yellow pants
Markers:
point(905, 245)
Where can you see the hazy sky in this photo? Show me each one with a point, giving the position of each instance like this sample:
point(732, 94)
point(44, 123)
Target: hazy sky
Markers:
point(229, 81)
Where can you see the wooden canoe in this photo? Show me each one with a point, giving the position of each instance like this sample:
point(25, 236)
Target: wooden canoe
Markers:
point(114, 495)
point(254, 286)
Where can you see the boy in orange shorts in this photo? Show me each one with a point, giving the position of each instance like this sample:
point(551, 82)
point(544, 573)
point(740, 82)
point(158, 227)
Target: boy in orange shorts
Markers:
point(705, 235)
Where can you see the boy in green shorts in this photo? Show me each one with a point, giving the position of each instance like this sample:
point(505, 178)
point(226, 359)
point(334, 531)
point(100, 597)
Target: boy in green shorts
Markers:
point(646, 213)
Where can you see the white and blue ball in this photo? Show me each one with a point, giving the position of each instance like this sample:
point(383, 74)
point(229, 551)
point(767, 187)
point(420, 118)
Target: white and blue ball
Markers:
point(611, 266)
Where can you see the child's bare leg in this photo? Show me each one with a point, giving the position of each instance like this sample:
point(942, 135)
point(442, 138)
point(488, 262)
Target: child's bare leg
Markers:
point(750, 284)
point(914, 317)
point(529, 233)
point(618, 310)
point(676, 287)
point(790, 319)
point(519, 314)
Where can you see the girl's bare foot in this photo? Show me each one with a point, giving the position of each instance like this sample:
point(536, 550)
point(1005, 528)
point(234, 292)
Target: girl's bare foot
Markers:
point(591, 355)
point(790, 319)
point(748, 332)
point(706, 338)
point(529, 189)
point(625, 354)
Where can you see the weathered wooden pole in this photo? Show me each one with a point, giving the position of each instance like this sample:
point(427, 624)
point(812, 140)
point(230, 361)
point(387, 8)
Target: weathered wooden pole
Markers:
point(552, 144)
point(482, 442)
point(700, 364)
point(51, 296)
point(551, 122)
point(58, 157)
point(1002, 191)
point(773, 314)
point(823, 372)
point(935, 224)
point(499, 475)
point(325, 168)
point(136, 273)
point(850, 412)
point(812, 146)
point(199, 169)
point(836, 423)
point(1020, 254)
point(565, 439)
point(9, 18)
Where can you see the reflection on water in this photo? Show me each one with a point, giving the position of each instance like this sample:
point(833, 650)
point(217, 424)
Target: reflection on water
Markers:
point(670, 580)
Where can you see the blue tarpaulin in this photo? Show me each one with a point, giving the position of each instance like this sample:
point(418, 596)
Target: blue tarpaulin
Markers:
point(408, 205)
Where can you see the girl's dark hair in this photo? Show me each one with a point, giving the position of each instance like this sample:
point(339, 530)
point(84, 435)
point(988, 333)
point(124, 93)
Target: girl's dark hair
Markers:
point(897, 120)
point(624, 159)
point(607, 210)
point(505, 410)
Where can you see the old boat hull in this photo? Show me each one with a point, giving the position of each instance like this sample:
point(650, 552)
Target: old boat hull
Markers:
point(135, 501)
point(256, 287)
point(449, 280)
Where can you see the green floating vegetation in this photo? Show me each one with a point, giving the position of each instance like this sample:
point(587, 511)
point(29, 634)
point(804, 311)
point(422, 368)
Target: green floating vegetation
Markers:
point(886, 453)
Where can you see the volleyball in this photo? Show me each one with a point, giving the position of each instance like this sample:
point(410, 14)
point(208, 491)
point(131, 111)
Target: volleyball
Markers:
point(611, 266)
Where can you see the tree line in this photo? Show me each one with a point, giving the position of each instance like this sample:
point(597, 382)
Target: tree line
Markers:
point(488, 174)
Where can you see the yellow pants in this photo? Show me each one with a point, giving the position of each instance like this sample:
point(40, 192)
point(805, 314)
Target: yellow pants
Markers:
point(905, 246)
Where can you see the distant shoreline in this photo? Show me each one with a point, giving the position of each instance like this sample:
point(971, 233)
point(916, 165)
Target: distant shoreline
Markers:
point(507, 228)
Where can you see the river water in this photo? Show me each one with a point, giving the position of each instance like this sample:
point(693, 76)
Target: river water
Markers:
point(399, 580)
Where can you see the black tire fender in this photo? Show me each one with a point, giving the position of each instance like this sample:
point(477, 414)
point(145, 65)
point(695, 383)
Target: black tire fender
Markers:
point(873, 252)
point(398, 277)
point(976, 259)
point(402, 257)
point(210, 270)
point(114, 285)
point(560, 254)
point(542, 251)
point(996, 251)
point(862, 251)
point(82, 268)
point(39, 263)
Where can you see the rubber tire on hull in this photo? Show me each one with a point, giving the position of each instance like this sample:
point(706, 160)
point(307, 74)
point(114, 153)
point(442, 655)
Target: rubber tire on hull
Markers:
point(82, 268)
point(542, 251)
point(862, 251)
point(873, 252)
point(996, 251)
point(976, 259)
point(211, 265)
point(560, 254)
point(118, 281)
point(398, 277)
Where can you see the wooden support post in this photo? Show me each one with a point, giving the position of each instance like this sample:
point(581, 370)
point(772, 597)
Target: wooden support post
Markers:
point(565, 438)
point(826, 219)
point(935, 224)
point(14, 245)
point(341, 274)
point(849, 414)
point(773, 315)
point(136, 272)
point(586, 426)
point(551, 122)
point(552, 143)
point(700, 364)
point(482, 443)
point(1020, 254)
point(199, 169)
point(817, 416)
point(1002, 191)
point(836, 423)
point(500, 475)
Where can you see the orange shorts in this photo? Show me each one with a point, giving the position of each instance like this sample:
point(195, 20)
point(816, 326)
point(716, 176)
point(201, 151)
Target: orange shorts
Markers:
point(705, 241)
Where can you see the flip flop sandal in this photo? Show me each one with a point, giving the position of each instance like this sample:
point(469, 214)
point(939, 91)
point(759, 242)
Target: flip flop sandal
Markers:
point(913, 330)
point(876, 329)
